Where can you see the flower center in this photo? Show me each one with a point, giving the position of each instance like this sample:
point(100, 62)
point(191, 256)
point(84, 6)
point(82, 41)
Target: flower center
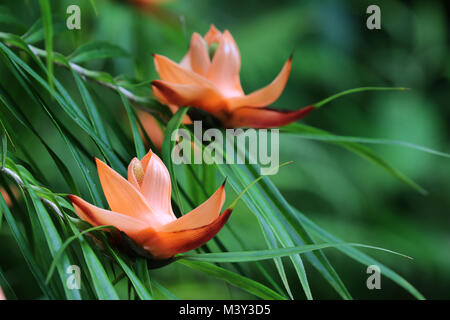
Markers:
point(138, 172)
point(212, 49)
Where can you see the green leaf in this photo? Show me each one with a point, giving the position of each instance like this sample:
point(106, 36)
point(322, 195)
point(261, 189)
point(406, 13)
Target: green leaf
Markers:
point(140, 288)
point(94, 7)
point(271, 242)
point(234, 279)
point(66, 243)
point(37, 33)
point(48, 30)
point(97, 50)
point(356, 148)
point(297, 129)
point(101, 282)
point(271, 208)
point(3, 146)
point(67, 104)
point(93, 113)
point(233, 204)
point(54, 241)
point(23, 246)
point(164, 291)
point(209, 176)
point(138, 143)
point(4, 97)
point(355, 90)
point(6, 287)
point(258, 255)
point(357, 255)
point(167, 147)
point(143, 274)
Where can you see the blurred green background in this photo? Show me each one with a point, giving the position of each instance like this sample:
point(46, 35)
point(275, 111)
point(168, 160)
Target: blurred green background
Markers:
point(333, 51)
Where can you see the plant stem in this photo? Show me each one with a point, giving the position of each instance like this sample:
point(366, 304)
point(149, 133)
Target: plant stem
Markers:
point(20, 183)
point(86, 73)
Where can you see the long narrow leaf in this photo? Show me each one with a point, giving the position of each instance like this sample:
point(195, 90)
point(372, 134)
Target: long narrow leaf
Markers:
point(258, 255)
point(48, 30)
point(356, 148)
point(167, 147)
point(235, 279)
point(357, 255)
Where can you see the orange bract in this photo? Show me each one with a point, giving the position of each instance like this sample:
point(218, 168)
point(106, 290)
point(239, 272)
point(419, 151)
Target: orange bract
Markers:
point(141, 208)
point(213, 84)
point(6, 196)
point(152, 129)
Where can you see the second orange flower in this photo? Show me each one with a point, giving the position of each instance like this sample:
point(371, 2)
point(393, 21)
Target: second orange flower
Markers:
point(208, 78)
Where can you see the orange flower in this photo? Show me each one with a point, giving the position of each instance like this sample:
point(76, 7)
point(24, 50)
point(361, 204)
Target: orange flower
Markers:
point(2, 295)
point(152, 129)
point(213, 85)
point(141, 208)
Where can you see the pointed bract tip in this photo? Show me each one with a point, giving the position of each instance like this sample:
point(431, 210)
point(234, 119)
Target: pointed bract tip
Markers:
point(71, 197)
point(75, 200)
point(227, 34)
point(156, 83)
point(98, 162)
point(291, 56)
point(227, 213)
point(224, 182)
